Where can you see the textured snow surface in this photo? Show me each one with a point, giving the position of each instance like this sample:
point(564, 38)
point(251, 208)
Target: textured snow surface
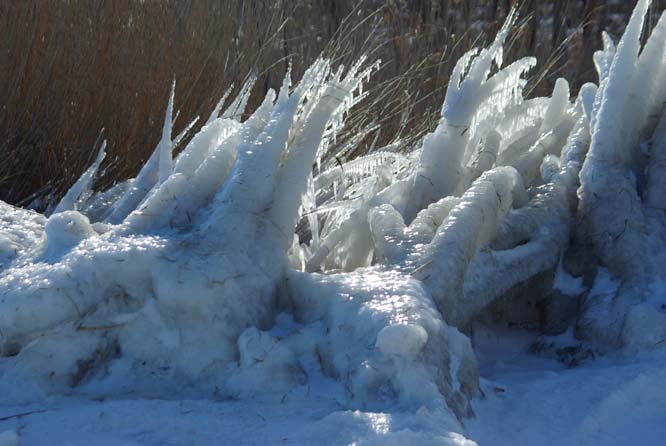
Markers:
point(529, 400)
point(257, 422)
point(611, 401)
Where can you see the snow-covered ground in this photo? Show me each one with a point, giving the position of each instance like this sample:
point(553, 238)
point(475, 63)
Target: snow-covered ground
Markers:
point(529, 400)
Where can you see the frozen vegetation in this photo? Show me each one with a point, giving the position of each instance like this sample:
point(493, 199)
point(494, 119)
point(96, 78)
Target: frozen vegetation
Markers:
point(260, 265)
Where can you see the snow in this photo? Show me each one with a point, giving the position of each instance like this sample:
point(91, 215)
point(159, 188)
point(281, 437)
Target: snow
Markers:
point(402, 340)
point(609, 401)
point(568, 284)
point(258, 422)
point(9, 438)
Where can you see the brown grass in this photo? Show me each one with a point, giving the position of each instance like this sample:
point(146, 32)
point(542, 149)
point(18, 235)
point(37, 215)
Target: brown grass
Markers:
point(73, 67)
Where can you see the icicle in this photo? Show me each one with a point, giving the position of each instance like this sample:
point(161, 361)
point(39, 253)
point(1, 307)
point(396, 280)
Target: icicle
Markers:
point(150, 172)
point(165, 147)
point(185, 131)
point(326, 246)
point(237, 107)
point(213, 171)
point(364, 166)
point(82, 189)
point(251, 180)
point(218, 107)
point(558, 105)
point(586, 95)
point(203, 143)
point(604, 58)
point(155, 212)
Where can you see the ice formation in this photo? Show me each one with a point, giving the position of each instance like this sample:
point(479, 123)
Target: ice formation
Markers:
point(619, 207)
point(376, 265)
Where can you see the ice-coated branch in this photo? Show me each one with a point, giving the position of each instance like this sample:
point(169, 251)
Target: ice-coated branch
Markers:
point(166, 144)
point(213, 171)
point(203, 143)
point(610, 208)
point(648, 92)
point(529, 240)
point(557, 106)
point(336, 98)
point(149, 175)
point(218, 106)
point(237, 106)
point(251, 179)
point(551, 199)
point(613, 218)
point(551, 143)
point(471, 224)
point(656, 175)
point(440, 172)
point(486, 156)
point(82, 189)
point(440, 166)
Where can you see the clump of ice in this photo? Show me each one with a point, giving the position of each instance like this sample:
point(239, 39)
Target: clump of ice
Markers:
point(65, 230)
point(402, 340)
point(182, 281)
